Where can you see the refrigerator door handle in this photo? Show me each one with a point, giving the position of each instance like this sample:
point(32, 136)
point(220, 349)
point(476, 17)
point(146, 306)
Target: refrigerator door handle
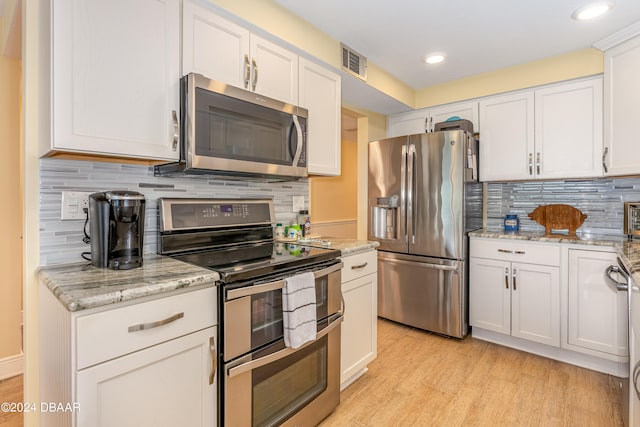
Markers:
point(424, 264)
point(412, 191)
point(403, 191)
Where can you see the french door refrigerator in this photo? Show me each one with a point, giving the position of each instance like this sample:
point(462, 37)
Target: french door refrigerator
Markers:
point(424, 197)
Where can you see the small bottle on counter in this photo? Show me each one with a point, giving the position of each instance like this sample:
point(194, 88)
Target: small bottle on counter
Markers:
point(305, 222)
point(511, 223)
point(279, 231)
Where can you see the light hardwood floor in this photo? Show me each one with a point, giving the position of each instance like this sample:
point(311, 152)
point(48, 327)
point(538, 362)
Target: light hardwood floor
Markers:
point(11, 391)
point(423, 379)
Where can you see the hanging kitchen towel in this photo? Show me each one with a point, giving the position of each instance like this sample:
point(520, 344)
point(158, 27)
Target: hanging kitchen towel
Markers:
point(299, 309)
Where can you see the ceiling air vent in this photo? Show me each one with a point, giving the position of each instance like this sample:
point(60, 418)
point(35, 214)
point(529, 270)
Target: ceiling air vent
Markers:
point(354, 63)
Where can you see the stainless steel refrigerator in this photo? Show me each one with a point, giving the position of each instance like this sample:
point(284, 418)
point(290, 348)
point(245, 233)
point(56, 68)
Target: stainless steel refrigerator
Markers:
point(424, 197)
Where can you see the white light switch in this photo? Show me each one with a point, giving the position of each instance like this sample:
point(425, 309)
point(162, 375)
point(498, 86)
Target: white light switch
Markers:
point(298, 203)
point(73, 205)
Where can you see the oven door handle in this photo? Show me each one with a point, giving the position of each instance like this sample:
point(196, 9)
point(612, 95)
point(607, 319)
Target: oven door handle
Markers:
point(277, 284)
point(254, 364)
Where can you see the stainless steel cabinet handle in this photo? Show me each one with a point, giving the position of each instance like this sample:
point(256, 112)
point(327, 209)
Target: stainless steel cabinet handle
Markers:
point(247, 71)
point(530, 163)
point(357, 267)
point(515, 275)
point(506, 277)
point(176, 130)
point(538, 163)
point(214, 362)
point(507, 251)
point(151, 325)
point(255, 74)
point(604, 159)
point(426, 124)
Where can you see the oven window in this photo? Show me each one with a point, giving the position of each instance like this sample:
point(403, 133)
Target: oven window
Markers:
point(282, 388)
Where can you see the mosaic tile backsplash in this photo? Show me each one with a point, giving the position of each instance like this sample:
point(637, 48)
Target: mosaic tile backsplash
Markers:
point(601, 199)
point(61, 241)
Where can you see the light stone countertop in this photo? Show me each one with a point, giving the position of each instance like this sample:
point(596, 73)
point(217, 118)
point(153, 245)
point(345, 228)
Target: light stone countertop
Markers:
point(80, 286)
point(345, 246)
point(629, 251)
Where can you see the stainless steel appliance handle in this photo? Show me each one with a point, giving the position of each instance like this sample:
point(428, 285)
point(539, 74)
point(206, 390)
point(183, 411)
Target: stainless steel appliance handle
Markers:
point(411, 173)
point(296, 156)
point(276, 284)
point(620, 286)
point(151, 325)
point(176, 131)
point(247, 71)
point(604, 159)
point(254, 364)
point(403, 190)
point(424, 264)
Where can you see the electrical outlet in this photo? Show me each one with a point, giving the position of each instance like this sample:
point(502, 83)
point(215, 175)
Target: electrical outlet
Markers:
point(73, 205)
point(297, 204)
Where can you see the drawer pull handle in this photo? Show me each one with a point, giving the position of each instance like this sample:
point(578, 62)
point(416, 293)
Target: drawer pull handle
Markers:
point(357, 267)
point(214, 365)
point(506, 251)
point(151, 325)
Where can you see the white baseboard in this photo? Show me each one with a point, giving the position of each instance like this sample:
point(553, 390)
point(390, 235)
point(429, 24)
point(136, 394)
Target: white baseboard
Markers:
point(11, 366)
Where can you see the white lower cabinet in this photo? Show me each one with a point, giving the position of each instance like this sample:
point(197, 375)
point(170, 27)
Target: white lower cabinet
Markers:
point(359, 329)
point(151, 363)
point(597, 312)
point(521, 299)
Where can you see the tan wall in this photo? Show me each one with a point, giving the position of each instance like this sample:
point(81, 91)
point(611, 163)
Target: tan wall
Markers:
point(580, 63)
point(11, 213)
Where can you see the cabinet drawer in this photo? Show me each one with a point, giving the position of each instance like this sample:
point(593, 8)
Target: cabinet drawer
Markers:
point(515, 250)
point(359, 265)
point(113, 333)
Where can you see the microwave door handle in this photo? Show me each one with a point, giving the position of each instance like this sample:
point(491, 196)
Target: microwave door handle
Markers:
point(296, 156)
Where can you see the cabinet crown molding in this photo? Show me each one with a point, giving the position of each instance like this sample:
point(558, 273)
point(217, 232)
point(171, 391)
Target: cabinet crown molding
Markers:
point(618, 37)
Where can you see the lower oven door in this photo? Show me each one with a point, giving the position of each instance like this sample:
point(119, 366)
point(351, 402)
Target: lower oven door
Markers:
point(253, 313)
point(296, 387)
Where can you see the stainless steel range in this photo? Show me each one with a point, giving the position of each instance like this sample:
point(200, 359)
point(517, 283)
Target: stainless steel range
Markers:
point(262, 381)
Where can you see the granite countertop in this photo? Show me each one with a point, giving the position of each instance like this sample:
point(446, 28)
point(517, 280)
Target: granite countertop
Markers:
point(80, 286)
point(345, 246)
point(629, 251)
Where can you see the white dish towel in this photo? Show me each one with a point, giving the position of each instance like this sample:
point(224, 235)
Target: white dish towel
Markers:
point(299, 309)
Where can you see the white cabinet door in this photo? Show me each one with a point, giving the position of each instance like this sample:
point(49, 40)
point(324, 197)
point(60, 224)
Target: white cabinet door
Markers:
point(275, 70)
point(597, 312)
point(622, 109)
point(116, 70)
point(359, 330)
point(214, 47)
point(170, 384)
point(465, 110)
point(568, 130)
point(222, 50)
point(535, 303)
point(507, 137)
point(409, 123)
point(490, 294)
point(320, 94)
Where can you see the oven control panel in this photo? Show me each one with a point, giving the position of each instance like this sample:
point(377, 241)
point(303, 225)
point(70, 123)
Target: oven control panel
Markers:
point(188, 214)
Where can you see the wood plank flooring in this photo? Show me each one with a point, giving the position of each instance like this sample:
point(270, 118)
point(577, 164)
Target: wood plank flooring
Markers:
point(11, 391)
point(423, 379)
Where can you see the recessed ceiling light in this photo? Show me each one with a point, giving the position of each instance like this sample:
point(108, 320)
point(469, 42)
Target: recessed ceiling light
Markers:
point(592, 10)
point(434, 59)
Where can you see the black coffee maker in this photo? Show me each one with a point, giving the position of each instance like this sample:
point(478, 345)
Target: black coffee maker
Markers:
point(116, 224)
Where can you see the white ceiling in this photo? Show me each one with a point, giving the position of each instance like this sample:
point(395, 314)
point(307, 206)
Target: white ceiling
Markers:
point(477, 36)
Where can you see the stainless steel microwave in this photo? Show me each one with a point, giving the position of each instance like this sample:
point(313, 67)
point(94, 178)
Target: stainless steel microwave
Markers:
point(226, 130)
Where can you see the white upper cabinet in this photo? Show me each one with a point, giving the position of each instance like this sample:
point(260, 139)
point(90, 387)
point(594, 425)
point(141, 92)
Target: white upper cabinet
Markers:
point(568, 130)
point(425, 119)
point(622, 109)
point(552, 132)
point(221, 50)
point(507, 137)
point(115, 78)
point(320, 94)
